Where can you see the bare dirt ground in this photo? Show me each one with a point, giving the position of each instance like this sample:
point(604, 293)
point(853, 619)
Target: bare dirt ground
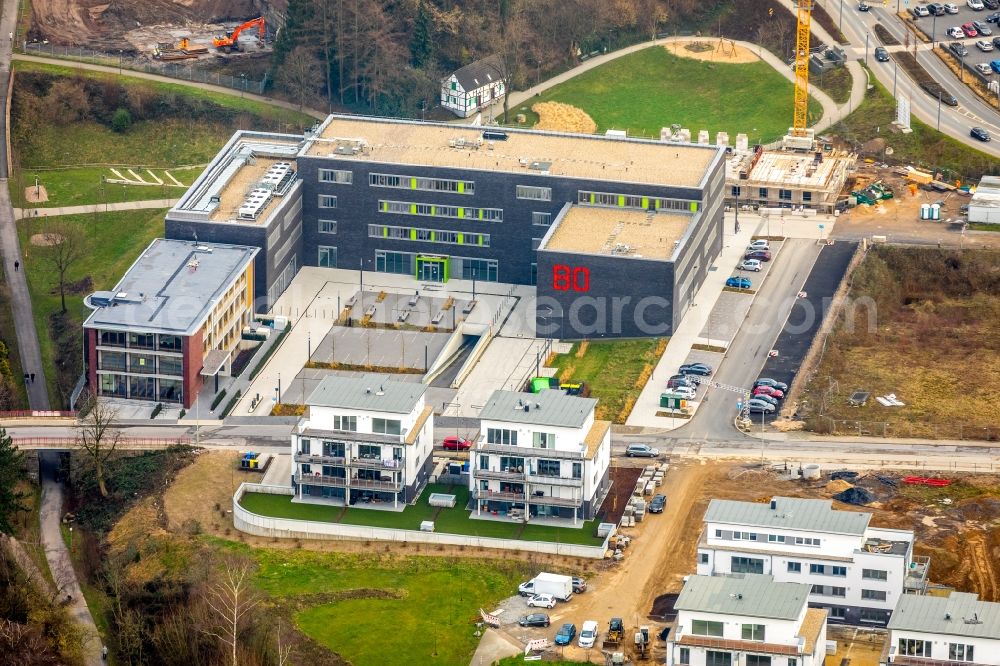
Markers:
point(100, 24)
point(563, 118)
point(46, 240)
point(712, 50)
point(35, 194)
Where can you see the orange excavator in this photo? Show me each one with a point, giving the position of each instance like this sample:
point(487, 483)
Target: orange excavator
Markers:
point(227, 43)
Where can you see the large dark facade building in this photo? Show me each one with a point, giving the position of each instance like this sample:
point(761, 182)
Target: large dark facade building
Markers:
point(441, 202)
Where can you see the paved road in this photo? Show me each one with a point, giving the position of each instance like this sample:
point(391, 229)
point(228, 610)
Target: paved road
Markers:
point(955, 121)
point(10, 249)
point(20, 213)
point(59, 561)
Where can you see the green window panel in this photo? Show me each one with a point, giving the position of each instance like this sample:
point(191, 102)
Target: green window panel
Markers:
point(461, 213)
point(480, 213)
point(461, 239)
point(480, 238)
point(591, 197)
point(645, 202)
point(694, 206)
point(461, 187)
point(413, 234)
point(385, 232)
point(413, 209)
point(413, 183)
point(621, 201)
point(382, 205)
point(657, 204)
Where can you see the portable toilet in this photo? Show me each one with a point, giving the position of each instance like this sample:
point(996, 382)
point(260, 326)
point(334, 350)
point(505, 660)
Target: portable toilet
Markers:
point(539, 384)
point(250, 461)
point(925, 211)
point(935, 211)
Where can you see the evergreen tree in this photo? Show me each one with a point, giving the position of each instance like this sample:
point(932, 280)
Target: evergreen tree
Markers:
point(421, 43)
point(11, 500)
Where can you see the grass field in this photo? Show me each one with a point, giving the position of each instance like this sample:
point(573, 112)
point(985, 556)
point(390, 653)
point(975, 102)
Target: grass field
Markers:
point(451, 521)
point(113, 241)
point(836, 83)
point(357, 604)
point(924, 147)
point(9, 336)
point(77, 186)
point(919, 338)
point(652, 88)
point(615, 370)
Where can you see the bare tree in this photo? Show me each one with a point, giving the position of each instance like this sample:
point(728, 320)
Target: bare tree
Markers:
point(98, 435)
point(513, 27)
point(232, 600)
point(63, 246)
point(300, 73)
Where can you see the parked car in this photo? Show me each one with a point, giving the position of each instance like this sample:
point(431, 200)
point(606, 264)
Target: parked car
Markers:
point(995, 66)
point(950, 8)
point(759, 244)
point(769, 390)
point(983, 28)
point(641, 451)
point(920, 11)
point(991, 4)
point(565, 634)
point(757, 406)
point(579, 585)
point(996, 42)
point(979, 133)
point(588, 634)
point(975, 5)
point(984, 45)
point(683, 382)
point(936, 9)
point(657, 504)
point(993, 18)
point(685, 392)
point(983, 68)
point(702, 369)
point(750, 265)
point(542, 601)
point(456, 443)
point(958, 48)
point(881, 54)
point(771, 400)
point(767, 381)
point(739, 282)
point(863, 7)
point(534, 620)
point(969, 30)
point(763, 255)
point(955, 32)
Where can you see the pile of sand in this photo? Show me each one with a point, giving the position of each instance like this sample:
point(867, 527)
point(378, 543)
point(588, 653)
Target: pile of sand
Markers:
point(838, 486)
point(712, 50)
point(563, 118)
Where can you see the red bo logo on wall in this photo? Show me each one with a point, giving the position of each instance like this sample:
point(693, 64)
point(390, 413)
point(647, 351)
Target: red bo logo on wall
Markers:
point(570, 278)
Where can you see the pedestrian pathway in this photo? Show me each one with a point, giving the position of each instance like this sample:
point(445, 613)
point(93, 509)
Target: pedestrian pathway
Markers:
point(21, 213)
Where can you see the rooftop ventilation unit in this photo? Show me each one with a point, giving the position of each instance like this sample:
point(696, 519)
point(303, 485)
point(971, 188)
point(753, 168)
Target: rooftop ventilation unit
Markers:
point(494, 135)
point(541, 167)
point(277, 178)
point(254, 204)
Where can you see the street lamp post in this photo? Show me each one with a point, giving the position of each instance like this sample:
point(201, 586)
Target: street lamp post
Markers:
point(939, 112)
point(961, 67)
point(840, 21)
point(120, 62)
point(894, 79)
point(933, 31)
point(866, 49)
point(243, 84)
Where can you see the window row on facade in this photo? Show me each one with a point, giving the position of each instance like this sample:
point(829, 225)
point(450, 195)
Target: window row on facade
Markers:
point(436, 210)
point(918, 647)
point(134, 387)
point(770, 538)
point(428, 235)
point(763, 193)
point(140, 364)
point(151, 341)
point(632, 201)
point(400, 182)
point(466, 268)
point(538, 467)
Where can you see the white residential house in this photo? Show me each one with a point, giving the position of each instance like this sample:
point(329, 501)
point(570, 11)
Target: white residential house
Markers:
point(365, 439)
point(855, 571)
point(750, 620)
point(540, 455)
point(473, 87)
point(958, 630)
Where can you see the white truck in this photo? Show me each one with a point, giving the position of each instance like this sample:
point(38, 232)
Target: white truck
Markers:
point(560, 587)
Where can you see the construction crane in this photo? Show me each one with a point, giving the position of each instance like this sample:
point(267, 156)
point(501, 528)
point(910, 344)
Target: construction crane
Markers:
point(800, 117)
point(231, 42)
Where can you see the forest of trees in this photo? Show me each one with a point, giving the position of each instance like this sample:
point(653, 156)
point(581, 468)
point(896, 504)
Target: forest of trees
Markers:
point(388, 56)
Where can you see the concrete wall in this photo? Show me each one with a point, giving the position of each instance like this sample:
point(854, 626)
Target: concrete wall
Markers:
point(286, 528)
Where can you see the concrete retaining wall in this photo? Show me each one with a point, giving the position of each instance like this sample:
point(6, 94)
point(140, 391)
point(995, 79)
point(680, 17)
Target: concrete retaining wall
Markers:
point(288, 528)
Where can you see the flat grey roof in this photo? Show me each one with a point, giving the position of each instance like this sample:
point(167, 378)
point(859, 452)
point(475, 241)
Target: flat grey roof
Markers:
point(753, 595)
point(789, 513)
point(172, 287)
point(961, 614)
point(368, 392)
point(548, 408)
point(987, 194)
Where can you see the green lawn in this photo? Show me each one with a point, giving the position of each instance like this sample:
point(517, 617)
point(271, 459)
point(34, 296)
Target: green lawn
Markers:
point(113, 241)
point(652, 88)
point(836, 83)
point(451, 521)
point(613, 370)
point(77, 186)
point(378, 610)
point(924, 147)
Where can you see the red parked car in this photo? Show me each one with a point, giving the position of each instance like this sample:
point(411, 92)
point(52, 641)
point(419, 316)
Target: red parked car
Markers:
point(970, 30)
point(761, 255)
point(767, 390)
point(455, 443)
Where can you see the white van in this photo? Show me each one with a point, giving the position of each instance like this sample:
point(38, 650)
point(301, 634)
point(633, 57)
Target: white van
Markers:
point(588, 634)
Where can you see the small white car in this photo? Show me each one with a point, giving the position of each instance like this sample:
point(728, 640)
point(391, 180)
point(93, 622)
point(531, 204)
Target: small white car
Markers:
point(588, 634)
point(950, 8)
point(955, 33)
point(921, 10)
point(750, 265)
point(759, 244)
point(984, 45)
point(685, 392)
point(975, 5)
point(983, 68)
point(542, 601)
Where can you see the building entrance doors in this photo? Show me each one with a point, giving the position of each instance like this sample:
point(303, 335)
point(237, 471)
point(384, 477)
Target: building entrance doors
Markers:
point(432, 268)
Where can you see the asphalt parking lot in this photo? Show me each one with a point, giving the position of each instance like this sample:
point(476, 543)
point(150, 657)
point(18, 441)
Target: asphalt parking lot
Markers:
point(938, 30)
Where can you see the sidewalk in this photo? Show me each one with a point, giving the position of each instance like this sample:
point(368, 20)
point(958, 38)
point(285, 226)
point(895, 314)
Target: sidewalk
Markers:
point(21, 213)
point(803, 436)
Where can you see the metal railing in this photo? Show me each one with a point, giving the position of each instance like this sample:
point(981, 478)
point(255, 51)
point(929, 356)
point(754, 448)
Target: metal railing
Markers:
point(522, 451)
point(541, 479)
point(344, 482)
point(377, 463)
point(498, 475)
point(36, 414)
point(498, 496)
point(320, 459)
point(555, 501)
point(187, 72)
point(123, 443)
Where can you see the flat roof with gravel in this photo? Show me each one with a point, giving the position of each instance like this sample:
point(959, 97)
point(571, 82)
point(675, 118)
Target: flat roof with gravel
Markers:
point(617, 232)
point(531, 152)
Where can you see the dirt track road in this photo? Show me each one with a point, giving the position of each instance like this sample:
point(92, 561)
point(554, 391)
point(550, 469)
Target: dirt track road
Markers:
point(662, 553)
